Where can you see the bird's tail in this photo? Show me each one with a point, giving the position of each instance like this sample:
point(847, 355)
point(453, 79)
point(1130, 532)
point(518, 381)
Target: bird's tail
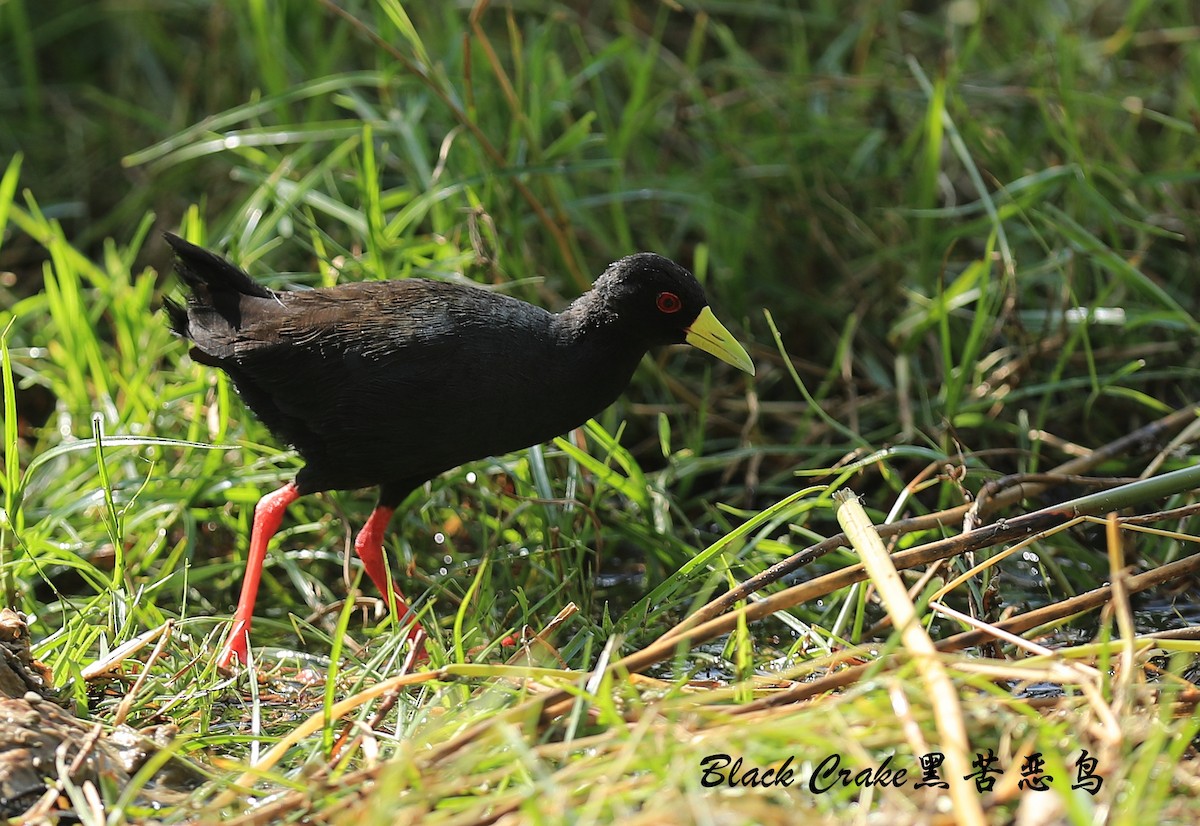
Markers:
point(209, 274)
point(178, 316)
point(214, 310)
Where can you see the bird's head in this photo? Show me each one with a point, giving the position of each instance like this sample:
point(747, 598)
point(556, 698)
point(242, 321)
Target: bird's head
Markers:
point(665, 304)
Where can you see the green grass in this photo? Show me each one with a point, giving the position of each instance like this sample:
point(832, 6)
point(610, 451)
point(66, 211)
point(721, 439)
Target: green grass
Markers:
point(959, 240)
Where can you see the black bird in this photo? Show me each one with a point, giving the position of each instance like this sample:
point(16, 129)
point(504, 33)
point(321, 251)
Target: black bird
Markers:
point(389, 383)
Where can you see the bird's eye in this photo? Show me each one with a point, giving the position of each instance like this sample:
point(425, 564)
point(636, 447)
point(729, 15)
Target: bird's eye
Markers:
point(669, 303)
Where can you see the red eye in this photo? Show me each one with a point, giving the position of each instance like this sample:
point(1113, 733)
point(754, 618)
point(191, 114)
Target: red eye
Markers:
point(669, 303)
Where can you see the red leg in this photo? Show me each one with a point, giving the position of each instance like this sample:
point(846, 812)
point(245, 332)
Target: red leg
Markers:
point(268, 513)
point(369, 547)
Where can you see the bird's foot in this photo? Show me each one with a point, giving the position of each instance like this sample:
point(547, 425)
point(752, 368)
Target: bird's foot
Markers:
point(236, 650)
point(416, 636)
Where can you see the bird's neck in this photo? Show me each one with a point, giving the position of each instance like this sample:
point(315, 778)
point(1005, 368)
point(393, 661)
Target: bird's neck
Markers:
point(591, 328)
point(602, 352)
point(587, 314)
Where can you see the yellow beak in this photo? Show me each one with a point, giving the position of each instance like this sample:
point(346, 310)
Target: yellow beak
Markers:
point(711, 336)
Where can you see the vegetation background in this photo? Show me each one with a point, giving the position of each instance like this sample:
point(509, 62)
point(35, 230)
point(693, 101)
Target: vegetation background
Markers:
point(959, 239)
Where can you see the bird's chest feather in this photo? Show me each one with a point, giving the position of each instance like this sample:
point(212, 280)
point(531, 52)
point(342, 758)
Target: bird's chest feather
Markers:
point(471, 386)
point(511, 393)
